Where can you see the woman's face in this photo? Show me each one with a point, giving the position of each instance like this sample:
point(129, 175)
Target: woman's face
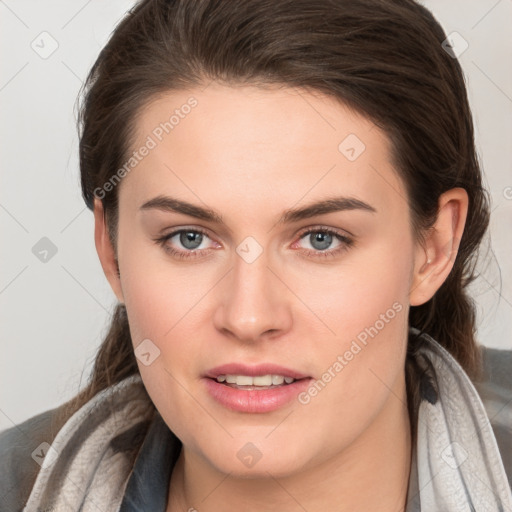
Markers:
point(260, 276)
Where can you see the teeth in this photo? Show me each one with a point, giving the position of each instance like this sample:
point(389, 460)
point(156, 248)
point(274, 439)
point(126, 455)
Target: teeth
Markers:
point(259, 380)
point(263, 380)
point(243, 380)
point(277, 379)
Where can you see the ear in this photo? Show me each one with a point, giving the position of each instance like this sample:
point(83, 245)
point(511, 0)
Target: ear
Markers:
point(434, 258)
point(106, 251)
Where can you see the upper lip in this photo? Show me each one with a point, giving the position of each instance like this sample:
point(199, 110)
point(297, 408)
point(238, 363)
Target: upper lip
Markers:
point(258, 369)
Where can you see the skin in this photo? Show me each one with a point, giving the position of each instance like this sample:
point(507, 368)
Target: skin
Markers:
point(250, 154)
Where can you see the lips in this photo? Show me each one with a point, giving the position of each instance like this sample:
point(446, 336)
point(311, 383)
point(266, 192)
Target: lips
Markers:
point(249, 399)
point(255, 400)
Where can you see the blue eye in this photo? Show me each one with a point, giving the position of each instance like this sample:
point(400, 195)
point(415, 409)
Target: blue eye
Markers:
point(321, 240)
point(190, 239)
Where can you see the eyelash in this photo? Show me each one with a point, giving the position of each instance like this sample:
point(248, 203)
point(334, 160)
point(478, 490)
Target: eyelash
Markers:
point(346, 243)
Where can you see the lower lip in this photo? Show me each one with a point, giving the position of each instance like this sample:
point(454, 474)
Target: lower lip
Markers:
point(255, 401)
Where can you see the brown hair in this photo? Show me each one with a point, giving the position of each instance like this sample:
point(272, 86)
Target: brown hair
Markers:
point(383, 58)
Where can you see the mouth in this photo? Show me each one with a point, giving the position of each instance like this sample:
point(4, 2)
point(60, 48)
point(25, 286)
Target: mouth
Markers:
point(256, 389)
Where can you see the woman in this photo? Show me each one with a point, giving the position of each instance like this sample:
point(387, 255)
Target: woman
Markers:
point(287, 206)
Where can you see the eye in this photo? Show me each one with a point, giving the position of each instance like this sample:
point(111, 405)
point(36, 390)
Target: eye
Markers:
point(324, 242)
point(185, 243)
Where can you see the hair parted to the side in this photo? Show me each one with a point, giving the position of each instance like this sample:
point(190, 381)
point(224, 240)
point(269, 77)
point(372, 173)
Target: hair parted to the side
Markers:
point(382, 58)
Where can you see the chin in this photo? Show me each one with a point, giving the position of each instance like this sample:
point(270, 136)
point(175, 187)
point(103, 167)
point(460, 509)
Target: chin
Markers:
point(256, 460)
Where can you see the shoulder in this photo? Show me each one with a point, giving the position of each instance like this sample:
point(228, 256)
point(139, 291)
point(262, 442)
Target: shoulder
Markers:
point(19, 446)
point(497, 366)
point(495, 390)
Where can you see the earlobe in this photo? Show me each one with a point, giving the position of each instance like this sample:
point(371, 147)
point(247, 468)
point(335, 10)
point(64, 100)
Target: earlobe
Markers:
point(105, 251)
point(435, 257)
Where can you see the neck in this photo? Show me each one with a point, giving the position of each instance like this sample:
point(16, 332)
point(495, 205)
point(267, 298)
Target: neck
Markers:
point(371, 474)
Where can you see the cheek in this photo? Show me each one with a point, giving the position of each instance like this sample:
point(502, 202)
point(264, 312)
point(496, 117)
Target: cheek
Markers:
point(164, 305)
point(160, 309)
point(164, 308)
point(352, 295)
point(364, 304)
point(159, 293)
point(361, 382)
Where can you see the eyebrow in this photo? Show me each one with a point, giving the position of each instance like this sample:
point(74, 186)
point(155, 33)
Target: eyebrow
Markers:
point(329, 205)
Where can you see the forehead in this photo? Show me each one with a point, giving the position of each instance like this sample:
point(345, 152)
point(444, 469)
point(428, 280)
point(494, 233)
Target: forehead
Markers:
point(258, 148)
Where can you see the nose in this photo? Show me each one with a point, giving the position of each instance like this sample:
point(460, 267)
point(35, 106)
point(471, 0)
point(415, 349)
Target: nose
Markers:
point(253, 303)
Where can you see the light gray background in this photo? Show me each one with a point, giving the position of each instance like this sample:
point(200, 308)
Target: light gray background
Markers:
point(54, 314)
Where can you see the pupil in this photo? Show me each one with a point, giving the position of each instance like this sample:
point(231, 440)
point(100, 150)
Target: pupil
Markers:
point(320, 241)
point(191, 239)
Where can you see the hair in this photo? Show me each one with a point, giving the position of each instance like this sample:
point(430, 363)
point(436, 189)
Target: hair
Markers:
point(382, 58)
